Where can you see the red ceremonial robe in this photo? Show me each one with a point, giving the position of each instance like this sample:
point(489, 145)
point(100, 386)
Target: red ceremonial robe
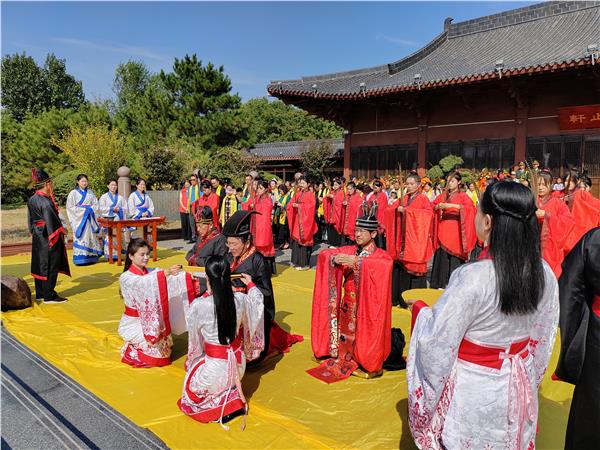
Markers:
point(350, 213)
point(367, 290)
point(585, 209)
point(454, 230)
point(556, 226)
point(409, 233)
point(382, 204)
point(338, 210)
point(260, 224)
point(211, 200)
point(328, 208)
point(301, 220)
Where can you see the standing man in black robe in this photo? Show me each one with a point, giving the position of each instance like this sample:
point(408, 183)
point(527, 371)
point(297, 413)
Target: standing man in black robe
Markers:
point(579, 362)
point(209, 241)
point(244, 258)
point(48, 251)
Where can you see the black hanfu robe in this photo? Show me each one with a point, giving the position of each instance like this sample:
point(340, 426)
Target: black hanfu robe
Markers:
point(579, 361)
point(255, 265)
point(215, 244)
point(48, 251)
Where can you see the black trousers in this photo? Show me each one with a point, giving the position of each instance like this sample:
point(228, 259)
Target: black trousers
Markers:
point(192, 222)
point(45, 288)
point(380, 241)
point(301, 254)
point(333, 237)
point(403, 281)
point(186, 234)
point(283, 233)
point(443, 266)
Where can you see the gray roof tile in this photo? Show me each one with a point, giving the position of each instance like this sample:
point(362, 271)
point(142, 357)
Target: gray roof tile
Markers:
point(291, 149)
point(537, 35)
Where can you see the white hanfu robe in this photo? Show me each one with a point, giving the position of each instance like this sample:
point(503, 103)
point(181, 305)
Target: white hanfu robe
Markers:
point(473, 372)
point(151, 297)
point(212, 387)
point(106, 206)
point(138, 204)
point(82, 207)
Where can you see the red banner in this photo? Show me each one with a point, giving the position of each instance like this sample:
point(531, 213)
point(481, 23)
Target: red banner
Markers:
point(579, 117)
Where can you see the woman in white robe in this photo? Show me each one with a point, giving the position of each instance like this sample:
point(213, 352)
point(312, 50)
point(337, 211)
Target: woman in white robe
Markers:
point(477, 357)
point(139, 204)
point(225, 330)
point(82, 207)
point(154, 299)
point(112, 206)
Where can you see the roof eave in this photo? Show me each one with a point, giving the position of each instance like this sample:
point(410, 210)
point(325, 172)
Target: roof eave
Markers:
point(277, 91)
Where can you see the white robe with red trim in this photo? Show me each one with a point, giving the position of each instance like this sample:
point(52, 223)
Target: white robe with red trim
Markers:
point(457, 404)
point(207, 386)
point(159, 302)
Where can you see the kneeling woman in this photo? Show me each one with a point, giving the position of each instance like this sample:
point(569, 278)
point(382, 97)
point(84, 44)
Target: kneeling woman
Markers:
point(154, 304)
point(224, 329)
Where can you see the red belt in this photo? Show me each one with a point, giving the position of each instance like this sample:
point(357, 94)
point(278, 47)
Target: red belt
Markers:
point(490, 356)
point(218, 351)
point(40, 223)
point(596, 305)
point(131, 312)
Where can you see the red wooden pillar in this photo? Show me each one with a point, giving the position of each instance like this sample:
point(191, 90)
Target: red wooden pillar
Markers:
point(422, 144)
point(347, 171)
point(521, 113)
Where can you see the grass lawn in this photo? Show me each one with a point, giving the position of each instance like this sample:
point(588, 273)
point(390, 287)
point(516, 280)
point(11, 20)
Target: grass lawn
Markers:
point(13, 224)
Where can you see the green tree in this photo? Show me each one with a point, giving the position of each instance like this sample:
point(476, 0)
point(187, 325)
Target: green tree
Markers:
point(24, 88)
point(95, 150)
point(201, 103)
point(274, 121)
point(64, 91)
point(316, 157)
point(165, 164)
point(130, 83)
point(228, 162)
point(29, 88)
point(32, 147)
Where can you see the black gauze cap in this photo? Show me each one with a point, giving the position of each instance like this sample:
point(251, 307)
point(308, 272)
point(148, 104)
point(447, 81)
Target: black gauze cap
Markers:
point(238, 225)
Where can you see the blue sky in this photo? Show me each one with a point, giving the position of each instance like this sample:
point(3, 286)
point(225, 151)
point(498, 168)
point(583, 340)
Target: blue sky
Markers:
point(255, 41)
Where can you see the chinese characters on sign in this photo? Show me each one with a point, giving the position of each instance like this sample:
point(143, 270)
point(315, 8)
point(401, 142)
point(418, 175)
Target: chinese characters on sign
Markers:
point(579, 117)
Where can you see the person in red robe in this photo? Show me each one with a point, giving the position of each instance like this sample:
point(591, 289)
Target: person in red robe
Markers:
point(379, 198)
point(339, 208)
point(585, 209)
point(331, 210)
point(453, 233)
point(302, 223)
point(210, 199)
point(260, 224)
point(351, 206)
point(408, 223)
point(556, 223)
point(352, 328)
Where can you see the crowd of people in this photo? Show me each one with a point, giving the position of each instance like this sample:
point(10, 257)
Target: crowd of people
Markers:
point(496, 247)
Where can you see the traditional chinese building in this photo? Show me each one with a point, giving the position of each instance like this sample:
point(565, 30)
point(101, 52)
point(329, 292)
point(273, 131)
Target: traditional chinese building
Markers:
point(283, 159)
point(494, 90)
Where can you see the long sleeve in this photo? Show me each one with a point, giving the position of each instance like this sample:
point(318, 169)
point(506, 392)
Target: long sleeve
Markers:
point(104, 205)
point(131, 205)
point(543, 330)
point(150, 205)
point(71, 206)
point(253, 322)
point(433, 351)
point(574, 314)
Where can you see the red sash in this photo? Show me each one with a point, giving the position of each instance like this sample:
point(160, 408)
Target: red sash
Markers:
point(490, 356)
point(219, 351)
point(131, 312)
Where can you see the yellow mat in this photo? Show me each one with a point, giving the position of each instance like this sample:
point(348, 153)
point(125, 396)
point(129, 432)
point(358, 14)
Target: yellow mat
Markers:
point(288, 408)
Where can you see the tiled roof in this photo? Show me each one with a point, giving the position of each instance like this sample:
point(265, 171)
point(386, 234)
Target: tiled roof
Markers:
point(542, 37)
point(291, 150)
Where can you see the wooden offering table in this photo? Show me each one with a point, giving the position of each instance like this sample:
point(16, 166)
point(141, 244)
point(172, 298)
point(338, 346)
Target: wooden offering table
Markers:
point(119, 225)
